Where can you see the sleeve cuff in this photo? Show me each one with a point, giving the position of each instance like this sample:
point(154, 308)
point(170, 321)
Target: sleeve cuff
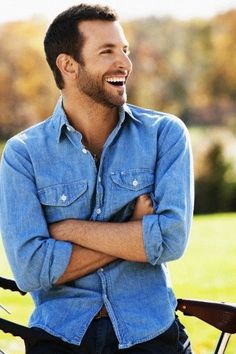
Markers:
point(152, 238)
point(61, 256)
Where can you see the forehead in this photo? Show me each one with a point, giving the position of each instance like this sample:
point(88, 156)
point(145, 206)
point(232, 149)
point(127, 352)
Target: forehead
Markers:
point(97, 33)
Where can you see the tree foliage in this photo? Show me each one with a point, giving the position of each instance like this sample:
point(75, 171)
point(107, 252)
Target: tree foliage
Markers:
point(186, 68)
point(27, 91)
point(212, 187)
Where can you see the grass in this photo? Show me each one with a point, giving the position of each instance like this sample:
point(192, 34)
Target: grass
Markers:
point(19, 306)
point(207, 271)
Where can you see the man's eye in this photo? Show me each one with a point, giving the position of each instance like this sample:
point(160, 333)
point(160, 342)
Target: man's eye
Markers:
point(107, 51)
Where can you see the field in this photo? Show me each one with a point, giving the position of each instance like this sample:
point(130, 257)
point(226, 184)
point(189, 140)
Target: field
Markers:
point(207, 271)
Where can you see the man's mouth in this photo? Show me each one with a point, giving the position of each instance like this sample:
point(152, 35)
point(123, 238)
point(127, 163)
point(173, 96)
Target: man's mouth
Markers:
point(116, 81)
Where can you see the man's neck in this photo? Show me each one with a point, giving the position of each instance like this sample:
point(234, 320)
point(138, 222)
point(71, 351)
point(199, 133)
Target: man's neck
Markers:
point(93, 120)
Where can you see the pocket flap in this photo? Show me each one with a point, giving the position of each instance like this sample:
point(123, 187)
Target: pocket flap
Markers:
point(62, 194)
point(134, 180)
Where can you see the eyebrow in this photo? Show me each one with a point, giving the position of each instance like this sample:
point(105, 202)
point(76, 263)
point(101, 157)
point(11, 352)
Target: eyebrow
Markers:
point(110, 45)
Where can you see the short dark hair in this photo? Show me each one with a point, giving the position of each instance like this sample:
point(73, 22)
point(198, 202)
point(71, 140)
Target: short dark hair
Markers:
point(63, 35)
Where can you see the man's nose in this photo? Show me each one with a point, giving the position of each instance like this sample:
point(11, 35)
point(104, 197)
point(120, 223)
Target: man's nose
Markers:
point(124, 61)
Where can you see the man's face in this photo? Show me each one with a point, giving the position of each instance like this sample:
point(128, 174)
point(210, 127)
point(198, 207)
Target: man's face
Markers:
point(106, 66)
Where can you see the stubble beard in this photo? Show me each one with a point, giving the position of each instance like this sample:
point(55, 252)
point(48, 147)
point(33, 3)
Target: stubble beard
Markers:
point(92, 87)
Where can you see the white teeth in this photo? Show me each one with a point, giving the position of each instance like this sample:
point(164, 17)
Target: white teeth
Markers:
point(116, 79)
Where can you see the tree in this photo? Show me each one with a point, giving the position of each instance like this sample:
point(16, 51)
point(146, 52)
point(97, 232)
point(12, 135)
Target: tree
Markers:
point(27, 90)
point(211, 187)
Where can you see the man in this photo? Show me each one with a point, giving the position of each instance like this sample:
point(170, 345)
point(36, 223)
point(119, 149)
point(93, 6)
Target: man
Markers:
point(96, 199)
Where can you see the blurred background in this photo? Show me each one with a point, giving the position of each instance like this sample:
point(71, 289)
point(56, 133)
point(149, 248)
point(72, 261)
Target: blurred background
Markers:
point(184, 56)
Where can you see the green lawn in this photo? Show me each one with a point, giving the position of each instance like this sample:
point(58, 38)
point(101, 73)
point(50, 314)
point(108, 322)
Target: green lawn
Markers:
point(207, 271)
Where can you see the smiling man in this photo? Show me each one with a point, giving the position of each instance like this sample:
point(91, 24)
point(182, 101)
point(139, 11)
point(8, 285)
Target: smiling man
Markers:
point(96, 200)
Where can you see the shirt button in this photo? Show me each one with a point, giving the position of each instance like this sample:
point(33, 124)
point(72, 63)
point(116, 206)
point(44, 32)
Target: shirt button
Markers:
point(99, 179)
point(101, 269)
point(98, 211)
point(63, 197)
point(84, 151)
point(135, 183)
point(68, 128)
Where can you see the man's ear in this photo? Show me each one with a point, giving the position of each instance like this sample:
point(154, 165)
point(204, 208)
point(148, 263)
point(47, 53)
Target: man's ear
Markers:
point(67, 66)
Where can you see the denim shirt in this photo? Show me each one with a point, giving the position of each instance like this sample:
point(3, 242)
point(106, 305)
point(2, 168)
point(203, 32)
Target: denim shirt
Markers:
point(48, 175)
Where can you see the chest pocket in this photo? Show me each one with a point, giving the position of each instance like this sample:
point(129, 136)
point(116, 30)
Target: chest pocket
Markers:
point(64, 201)
point(127, 185)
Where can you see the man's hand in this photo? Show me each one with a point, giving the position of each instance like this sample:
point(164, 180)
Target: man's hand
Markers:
point(143, 206)
point(62, 229)
point(98, 243)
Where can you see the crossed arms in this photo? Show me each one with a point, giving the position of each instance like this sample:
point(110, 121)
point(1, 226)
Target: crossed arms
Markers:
point(155, 239)
point(96, 244)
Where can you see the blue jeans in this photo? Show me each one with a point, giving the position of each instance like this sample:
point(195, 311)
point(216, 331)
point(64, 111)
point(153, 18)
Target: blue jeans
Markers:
point(100, 338)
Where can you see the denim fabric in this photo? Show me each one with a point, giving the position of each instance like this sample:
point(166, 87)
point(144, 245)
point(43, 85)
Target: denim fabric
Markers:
point(47, 175)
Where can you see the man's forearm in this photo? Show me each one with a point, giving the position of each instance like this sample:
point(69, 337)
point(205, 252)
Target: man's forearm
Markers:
point(82, 262)
point(120, 240)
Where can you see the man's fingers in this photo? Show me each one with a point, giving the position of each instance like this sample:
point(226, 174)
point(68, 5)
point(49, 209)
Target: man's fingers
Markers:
point(143, 206)
point(144, 199)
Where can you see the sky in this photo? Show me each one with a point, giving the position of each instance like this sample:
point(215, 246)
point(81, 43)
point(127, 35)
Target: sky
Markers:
point(11, 10)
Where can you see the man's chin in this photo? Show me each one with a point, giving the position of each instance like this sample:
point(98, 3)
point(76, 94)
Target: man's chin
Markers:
point(120, 100)
point(112, 100)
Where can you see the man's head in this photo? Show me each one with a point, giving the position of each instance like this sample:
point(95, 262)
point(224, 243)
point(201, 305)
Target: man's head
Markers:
point(88, 53)
point(64, 36)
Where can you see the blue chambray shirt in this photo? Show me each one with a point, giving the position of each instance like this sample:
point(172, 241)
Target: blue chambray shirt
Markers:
point(47, 175)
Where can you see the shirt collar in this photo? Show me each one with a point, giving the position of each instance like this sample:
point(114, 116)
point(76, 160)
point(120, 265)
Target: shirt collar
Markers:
point(61, 121)
point(126, 108)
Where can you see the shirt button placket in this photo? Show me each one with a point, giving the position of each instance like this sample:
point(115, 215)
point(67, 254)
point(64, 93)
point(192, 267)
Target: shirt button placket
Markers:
point(104, 285)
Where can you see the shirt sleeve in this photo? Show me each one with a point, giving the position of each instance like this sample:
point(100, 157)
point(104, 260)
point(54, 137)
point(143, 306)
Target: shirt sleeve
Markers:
point(37, 260)
point(166, 232)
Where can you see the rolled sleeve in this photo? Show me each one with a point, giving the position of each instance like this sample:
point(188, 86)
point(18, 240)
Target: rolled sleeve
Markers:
point(152, 238)
point(166, 232)
point(37, 260)
point(55, 263)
